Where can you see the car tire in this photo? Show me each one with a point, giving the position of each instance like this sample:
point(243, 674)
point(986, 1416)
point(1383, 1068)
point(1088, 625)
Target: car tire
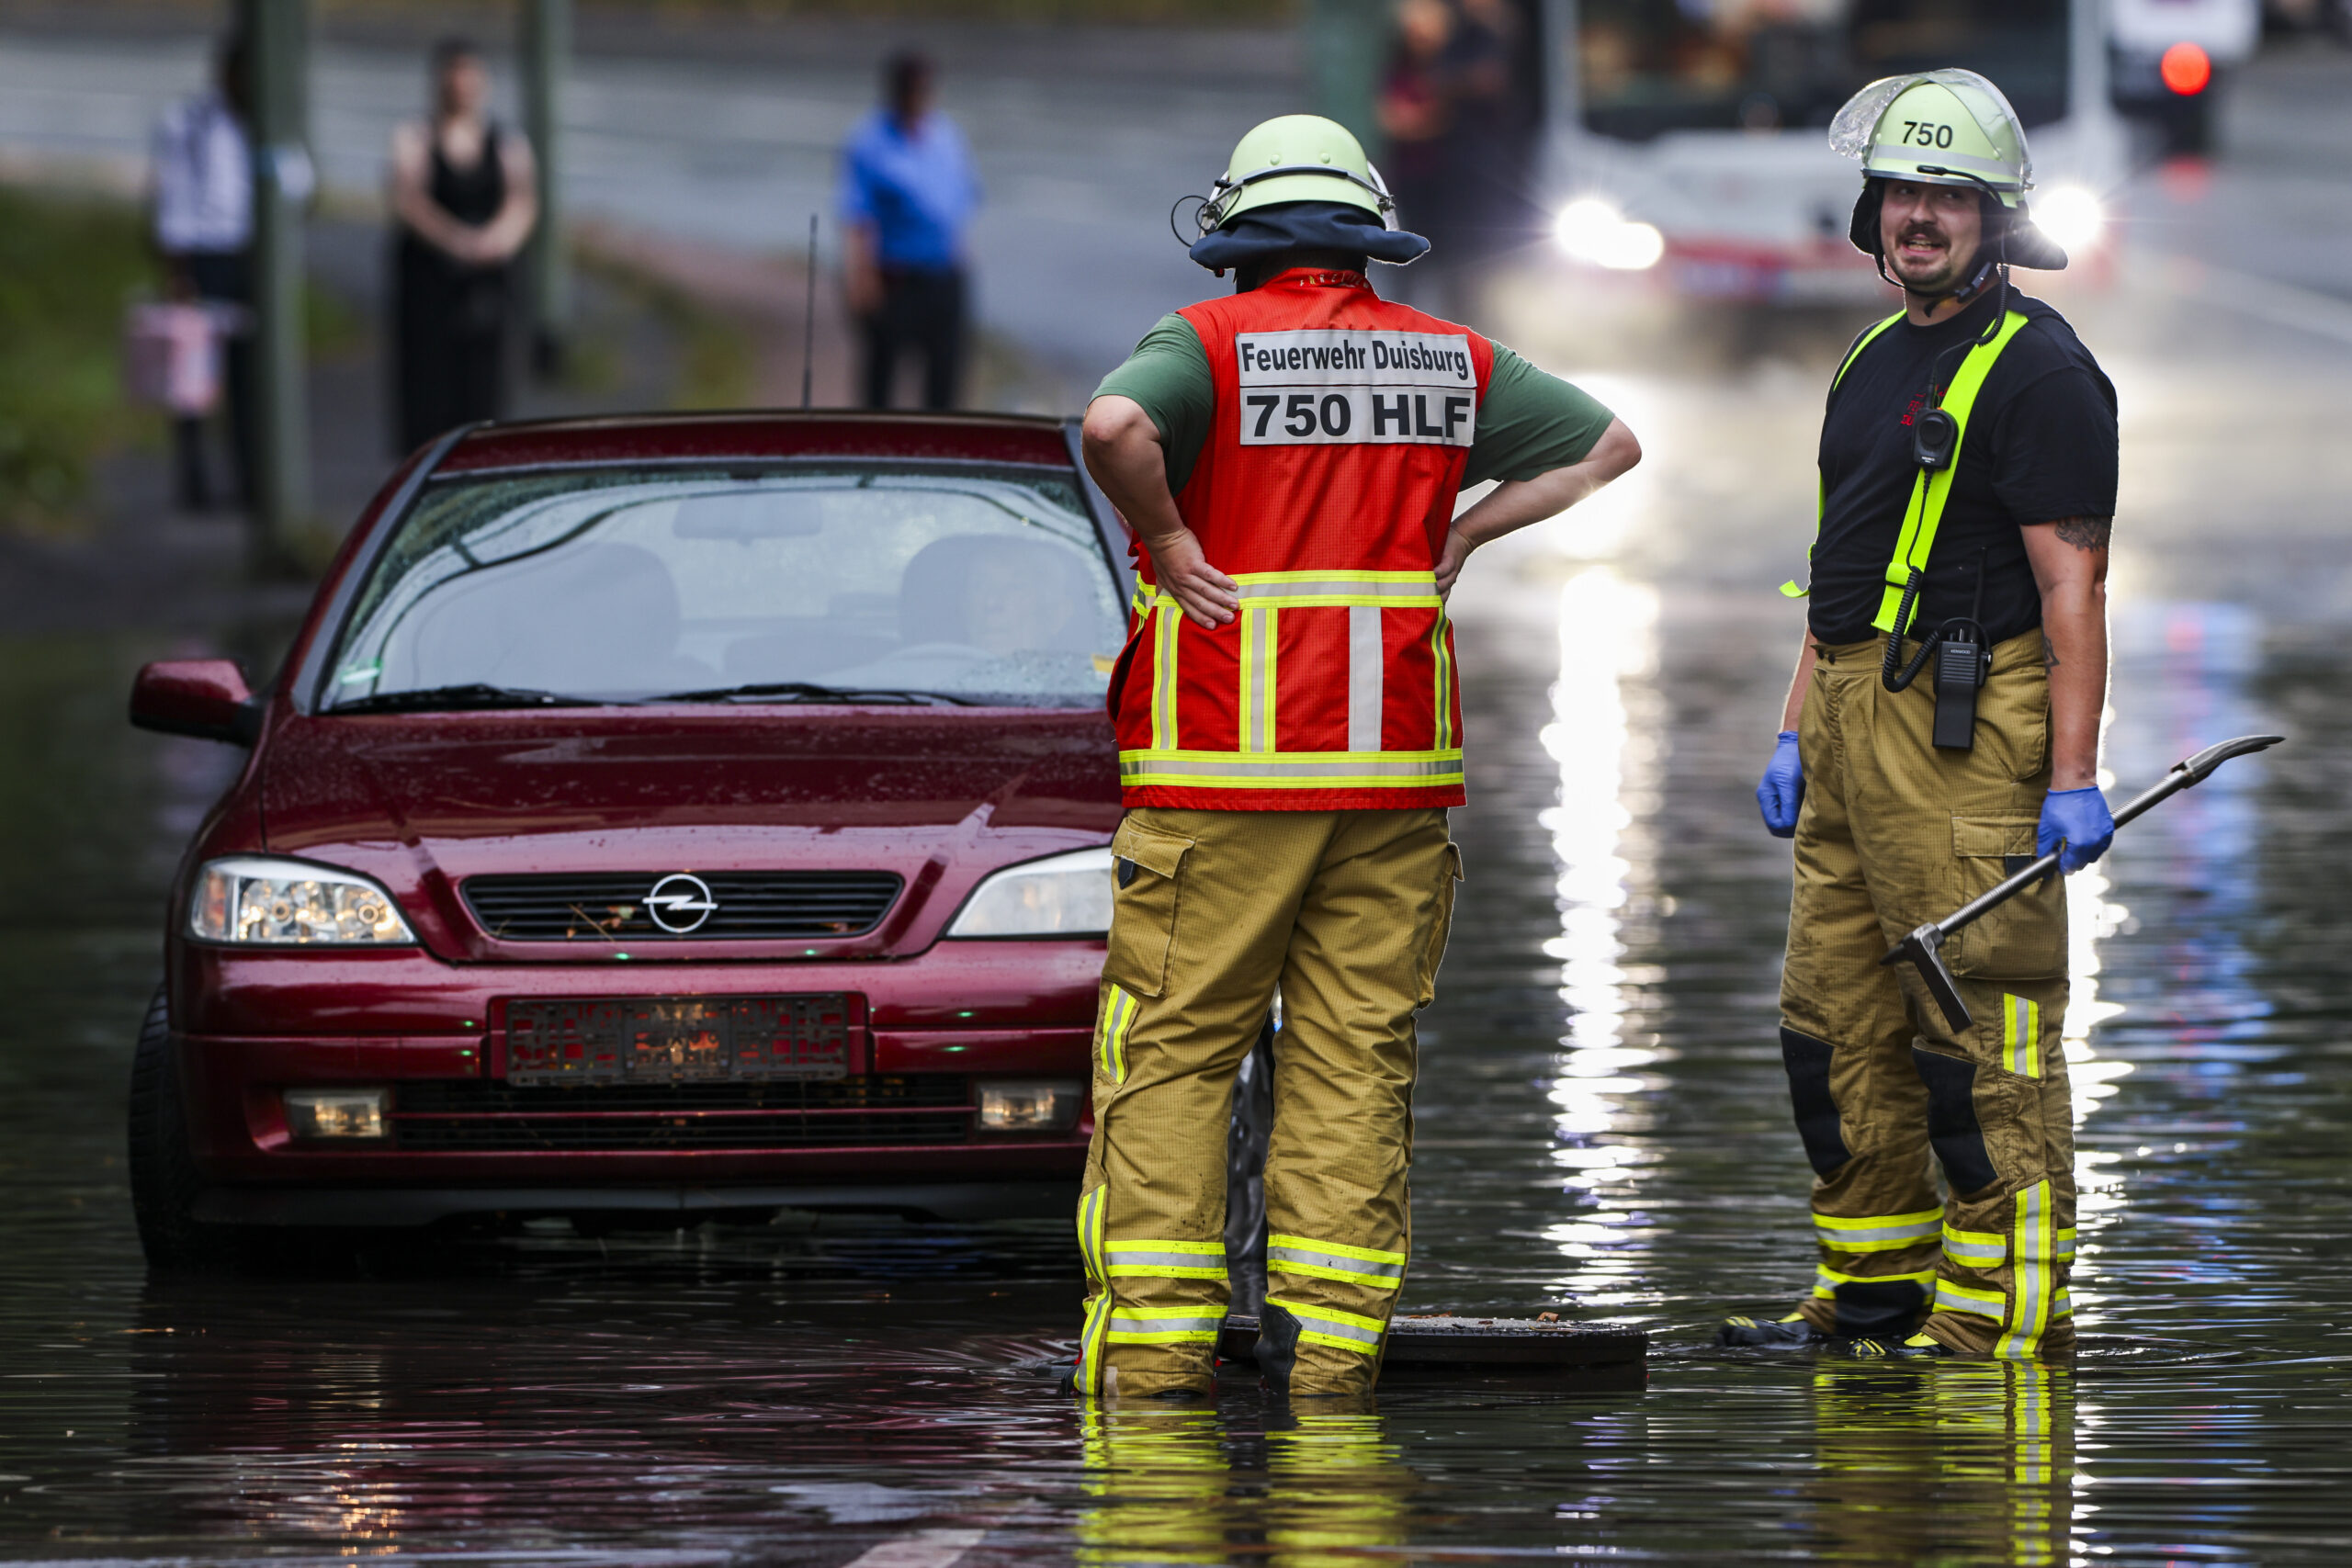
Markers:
point(164, 1180)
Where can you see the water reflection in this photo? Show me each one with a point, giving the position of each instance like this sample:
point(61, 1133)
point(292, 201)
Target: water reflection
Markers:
point(1310, 1486)
point(1608, 757)
point(1964, 1461)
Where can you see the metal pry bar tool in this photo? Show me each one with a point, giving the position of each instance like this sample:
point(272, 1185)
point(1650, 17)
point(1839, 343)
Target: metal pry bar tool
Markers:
point(1923, 949)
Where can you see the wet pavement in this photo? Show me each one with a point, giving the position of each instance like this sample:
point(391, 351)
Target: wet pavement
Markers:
point(1602, 1131)
point(1602, 1120)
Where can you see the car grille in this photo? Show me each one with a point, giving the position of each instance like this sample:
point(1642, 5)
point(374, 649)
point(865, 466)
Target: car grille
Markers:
point(861, 1112)
point(751, 906)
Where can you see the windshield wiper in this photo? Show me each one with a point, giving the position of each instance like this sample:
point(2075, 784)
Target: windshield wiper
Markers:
point(810, 691)
point(471, 694)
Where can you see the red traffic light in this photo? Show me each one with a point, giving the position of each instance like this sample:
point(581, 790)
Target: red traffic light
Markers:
point(2187, 69)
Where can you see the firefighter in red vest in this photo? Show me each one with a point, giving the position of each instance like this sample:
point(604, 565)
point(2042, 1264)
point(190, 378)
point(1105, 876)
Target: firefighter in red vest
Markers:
point(1290, 738)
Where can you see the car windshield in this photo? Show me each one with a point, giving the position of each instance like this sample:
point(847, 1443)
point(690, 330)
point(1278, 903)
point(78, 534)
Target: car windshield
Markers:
point(1652, 67)
point(958, 583)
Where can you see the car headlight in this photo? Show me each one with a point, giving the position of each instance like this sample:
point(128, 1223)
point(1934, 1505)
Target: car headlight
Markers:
point(2070, 215)
point(1050, 1106)
point(253, 900)
point(1059, 896)
point(1591, 231)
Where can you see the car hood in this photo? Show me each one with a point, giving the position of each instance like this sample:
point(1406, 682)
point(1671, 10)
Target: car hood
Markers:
point(940, 797)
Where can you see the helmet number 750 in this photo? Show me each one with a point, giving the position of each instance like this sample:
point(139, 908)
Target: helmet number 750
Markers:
point(1919, 133)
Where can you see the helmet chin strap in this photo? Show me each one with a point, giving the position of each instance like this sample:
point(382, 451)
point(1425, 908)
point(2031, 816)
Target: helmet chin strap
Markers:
point(1992, 264)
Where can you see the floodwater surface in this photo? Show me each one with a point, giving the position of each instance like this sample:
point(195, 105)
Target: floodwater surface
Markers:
point(1602, 1131)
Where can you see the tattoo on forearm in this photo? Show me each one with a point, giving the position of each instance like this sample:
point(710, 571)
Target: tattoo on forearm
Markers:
point(2050, 659)
point(2087, 533)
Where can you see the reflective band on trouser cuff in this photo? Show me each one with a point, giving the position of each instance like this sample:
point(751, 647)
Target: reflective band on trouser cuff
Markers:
point(1090, 1231)
point(1329, 1260)
point(2021, 1035)
point(1978, 1249)
point(1091, 1205)
point(1119, 1010)
point(1930, 490)
point(1825, 1280)
point(1962, 1298)
point(1166, 1259)
point(1877, 1232)
point(2062, 1304)
point(2066, 1253)
point(1165, 1328)
point(1091, 1342)
point(2033, 1248)
point(1296, 769)
point(1328, 1326)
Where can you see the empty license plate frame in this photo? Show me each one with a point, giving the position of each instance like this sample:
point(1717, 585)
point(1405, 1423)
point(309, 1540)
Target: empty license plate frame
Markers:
point(609, 1040)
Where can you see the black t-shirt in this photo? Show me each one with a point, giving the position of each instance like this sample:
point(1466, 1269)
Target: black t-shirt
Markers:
point(2039, 447)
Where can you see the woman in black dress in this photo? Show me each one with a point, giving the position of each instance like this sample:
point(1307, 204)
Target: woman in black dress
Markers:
point(464, 198)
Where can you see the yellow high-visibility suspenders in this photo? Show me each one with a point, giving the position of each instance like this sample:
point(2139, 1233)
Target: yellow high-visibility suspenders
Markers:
point(1931, 488)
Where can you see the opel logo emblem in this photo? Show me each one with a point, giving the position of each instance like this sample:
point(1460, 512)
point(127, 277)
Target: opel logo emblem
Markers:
point(680, 903)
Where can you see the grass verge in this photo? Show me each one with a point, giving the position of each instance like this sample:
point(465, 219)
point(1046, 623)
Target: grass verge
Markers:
point(68, 264)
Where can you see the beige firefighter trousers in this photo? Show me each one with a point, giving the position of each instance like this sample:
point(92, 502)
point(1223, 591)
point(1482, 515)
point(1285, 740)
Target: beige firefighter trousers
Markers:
point(1347, 912)
point(1894, 833)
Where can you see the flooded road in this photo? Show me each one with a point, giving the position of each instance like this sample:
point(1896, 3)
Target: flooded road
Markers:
point(1602, 1131)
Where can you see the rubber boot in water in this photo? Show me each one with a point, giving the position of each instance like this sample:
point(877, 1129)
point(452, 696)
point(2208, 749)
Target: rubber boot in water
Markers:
point(1919, 1348)
point(1277, 1349)
point(1790, 1333)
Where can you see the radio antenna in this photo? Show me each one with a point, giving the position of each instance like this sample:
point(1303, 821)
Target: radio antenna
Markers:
point(809, 323)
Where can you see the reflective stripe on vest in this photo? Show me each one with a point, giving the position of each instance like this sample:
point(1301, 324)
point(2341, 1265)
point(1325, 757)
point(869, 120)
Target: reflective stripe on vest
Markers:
point(1341, 430)
point(1924, 512)
point(1262, 762)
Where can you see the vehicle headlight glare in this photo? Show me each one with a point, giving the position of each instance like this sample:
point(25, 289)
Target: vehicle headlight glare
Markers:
point(1592, 231)
point(254, 901)
point(2070, 215)
point(1059, 896)
point(1017, 1107)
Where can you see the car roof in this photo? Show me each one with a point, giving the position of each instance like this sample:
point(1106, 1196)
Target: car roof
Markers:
point(790, 432)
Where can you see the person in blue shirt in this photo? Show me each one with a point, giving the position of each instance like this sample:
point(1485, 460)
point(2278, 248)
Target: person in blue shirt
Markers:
point(907, 191)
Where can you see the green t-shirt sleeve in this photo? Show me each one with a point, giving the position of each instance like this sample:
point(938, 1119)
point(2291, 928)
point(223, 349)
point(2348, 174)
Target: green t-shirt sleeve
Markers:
point(1530, 424)
point(1168, 375)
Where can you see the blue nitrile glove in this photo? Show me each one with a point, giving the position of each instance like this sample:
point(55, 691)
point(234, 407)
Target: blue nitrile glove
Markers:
point(1782, 790)
point(2080, 817)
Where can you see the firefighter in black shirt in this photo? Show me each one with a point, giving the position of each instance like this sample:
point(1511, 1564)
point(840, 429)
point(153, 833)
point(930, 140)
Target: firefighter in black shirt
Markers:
point(1968, 470)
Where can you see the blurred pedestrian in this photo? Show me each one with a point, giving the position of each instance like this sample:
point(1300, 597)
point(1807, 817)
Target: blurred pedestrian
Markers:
point(1485, 151)
point(1415, 111)
point(204, 227)
point(464, 198)
point(907, 189)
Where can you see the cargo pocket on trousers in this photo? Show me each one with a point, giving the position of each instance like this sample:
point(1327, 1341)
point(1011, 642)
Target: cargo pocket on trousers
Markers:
point(2025, 939)
point(1147, 868)
point(1433, 950)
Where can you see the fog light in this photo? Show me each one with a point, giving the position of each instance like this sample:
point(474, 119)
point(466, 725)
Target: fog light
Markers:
point(1049, 1106)
point(337, 1112)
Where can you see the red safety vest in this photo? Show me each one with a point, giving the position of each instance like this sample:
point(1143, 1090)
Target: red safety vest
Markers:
point(1341, 429)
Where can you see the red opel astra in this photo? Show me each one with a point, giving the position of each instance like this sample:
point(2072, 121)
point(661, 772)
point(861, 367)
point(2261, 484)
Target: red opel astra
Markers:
point(658, 816)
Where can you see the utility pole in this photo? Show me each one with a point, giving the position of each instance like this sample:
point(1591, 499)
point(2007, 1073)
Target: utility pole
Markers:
point(547, 59)
point(276, 35)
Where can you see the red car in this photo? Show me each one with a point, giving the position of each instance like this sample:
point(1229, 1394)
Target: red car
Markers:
point(659, 817)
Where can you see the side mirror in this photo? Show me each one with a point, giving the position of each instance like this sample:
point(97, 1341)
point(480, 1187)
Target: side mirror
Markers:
point(204, 697)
